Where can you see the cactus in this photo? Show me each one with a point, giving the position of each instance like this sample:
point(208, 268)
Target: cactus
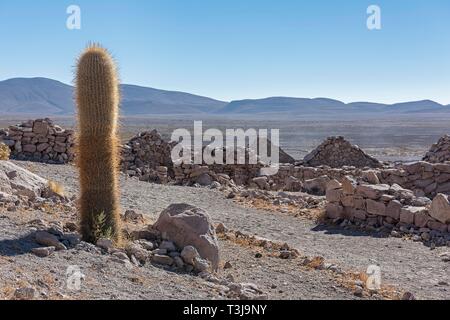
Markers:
point(97, 99)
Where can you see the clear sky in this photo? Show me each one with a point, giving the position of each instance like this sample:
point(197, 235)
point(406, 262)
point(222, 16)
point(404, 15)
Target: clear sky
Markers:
point(235, 49)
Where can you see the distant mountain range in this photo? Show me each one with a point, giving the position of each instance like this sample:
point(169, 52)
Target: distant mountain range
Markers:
point(47, 97)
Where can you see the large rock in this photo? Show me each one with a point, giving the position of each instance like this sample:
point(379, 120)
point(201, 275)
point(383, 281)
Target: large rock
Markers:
point(440, 208)
point(316, 186)
point(20, 182)
point(186, 225)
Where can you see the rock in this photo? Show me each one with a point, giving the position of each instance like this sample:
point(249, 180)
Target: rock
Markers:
point(168, 245)
point(178, 262)
point(440, 208)
point(371, 177)
point(22, 182)
point(348, 185)
point(393, 209)
point(407, 214)
point(188, 254)
point(375, 207)
point(408, 296)
point(221, 228)
point(316, 186)
point(134, 249)
point(292, 184)
point(43, 251)
point(373, 192)
point(334, 211)
point(188, 225)
point(105, 244)
point(204, 179)
point(333, 185)
point(227, 265)
point(25, 293)
point(201, 265)
point(48, 239)
point(133, 216)
point(162, 259)
point(334, 195)
point(261, 182)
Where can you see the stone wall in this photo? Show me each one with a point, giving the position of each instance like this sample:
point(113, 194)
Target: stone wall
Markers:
point(147, 156)
point(384, 205)
point(426, 179)
point(337, 152)
point(39, 140)
point(440, 151)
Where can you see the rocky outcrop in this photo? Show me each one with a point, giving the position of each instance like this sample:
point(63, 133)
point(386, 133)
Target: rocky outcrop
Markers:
point(39, 140)
point(440, 151)
point(337, 152)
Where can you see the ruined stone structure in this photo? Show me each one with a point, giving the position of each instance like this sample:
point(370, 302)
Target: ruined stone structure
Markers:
point(337, 152)
point(39, 140)
point(147, 156)
point(384, 205)
point(440, 151)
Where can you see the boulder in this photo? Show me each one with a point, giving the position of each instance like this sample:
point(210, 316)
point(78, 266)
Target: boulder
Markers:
point(187, 225)
point(316, 186)
point(440, 208)
point(21, 182)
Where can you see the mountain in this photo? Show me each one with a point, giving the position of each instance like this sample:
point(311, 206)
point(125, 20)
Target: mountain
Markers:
point(49, 97)
point(284, 106)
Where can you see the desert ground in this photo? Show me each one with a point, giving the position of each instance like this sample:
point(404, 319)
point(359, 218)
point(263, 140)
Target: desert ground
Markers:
point(330, 261)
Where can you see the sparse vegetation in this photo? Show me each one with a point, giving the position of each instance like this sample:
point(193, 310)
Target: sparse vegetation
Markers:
point(4, 151)
point(56, 188)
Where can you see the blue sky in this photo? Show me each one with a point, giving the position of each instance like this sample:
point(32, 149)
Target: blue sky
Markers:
point(235, 49)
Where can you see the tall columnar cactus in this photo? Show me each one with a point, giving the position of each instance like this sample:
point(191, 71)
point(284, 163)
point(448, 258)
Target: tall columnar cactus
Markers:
point(97, 98)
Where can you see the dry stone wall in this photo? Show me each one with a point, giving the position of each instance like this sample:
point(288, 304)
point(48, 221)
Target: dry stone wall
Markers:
point(39, 140)
point(384, 205)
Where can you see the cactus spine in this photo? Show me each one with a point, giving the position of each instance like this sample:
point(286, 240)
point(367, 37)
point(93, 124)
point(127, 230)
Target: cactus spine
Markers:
point(97, 99)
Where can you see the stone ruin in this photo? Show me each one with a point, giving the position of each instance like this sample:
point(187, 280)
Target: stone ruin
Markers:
point(440, 151)
point(383, 205)
point(148, 157)
point(337, 152)
point(39, 140)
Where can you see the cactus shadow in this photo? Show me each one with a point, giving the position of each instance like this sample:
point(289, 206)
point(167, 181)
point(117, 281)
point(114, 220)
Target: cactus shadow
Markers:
point(18, 246)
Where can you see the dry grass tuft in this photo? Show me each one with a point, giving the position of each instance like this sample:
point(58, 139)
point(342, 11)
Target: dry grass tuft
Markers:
point(56, 188)
point(4, 151)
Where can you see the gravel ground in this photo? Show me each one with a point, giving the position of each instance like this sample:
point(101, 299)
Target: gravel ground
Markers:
point(406, 264)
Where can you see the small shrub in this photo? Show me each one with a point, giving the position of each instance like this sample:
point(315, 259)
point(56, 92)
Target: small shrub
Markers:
point(56, 188)
point(4, 151)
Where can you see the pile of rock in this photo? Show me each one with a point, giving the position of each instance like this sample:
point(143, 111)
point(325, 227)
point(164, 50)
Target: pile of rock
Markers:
point(39, 140)
point(337, 152)
point(147, 156)
point(183, 237)
point(384, 205)
point(440, 151)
